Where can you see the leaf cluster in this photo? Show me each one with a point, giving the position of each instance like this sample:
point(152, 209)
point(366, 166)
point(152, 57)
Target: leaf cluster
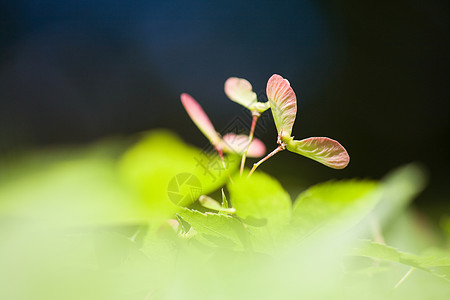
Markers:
point(100, 223)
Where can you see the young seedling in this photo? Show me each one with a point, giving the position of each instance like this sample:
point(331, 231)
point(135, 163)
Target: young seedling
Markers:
point(230, 143)
point(283, 104)
point(240, 91)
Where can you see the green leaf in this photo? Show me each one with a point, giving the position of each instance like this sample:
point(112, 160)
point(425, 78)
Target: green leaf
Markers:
point(332, 206)
point(165, 171)
point(262, 203)
point(445, 224)
point(70, 188)
point(224, 200)
point(436, 265)
point(210, 203)
point(398, 189)
point(220, 229)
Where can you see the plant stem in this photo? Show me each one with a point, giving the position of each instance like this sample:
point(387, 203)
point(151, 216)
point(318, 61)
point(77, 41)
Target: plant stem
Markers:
point(404, 277)
point(278, 149)
point(223, 163)
point(250, 139)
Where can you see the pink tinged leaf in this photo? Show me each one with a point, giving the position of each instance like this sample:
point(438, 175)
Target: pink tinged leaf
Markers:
point(283, 104)
point(237, 143)
point(324, 150)
point(200, 118)
point(240, 91)
point(256, 149)
point(174, 224)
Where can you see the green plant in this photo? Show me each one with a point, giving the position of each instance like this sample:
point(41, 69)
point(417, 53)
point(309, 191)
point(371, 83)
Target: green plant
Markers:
point(110, 221)
point(231, 142)
point(240, 91)
point(283, 103)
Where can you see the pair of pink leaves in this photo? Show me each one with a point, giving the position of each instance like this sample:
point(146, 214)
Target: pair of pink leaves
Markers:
point(283, 103)
point(230, 143)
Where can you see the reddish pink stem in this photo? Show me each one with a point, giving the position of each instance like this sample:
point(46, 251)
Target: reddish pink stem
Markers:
point(250, 139)
point(278, 149)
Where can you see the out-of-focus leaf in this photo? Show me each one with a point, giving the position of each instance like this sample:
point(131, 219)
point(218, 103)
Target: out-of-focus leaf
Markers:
point(398, 189)
point(332, 207)
point(240, 91)
point(90, 187)
point(283, 104)
point(220, 229)
point(79, 191)
point(445, 223)
point(437, 265)
point(321, 149)
point(237, 143)
point(410, 230)
point(165, 171)
point(262, 203)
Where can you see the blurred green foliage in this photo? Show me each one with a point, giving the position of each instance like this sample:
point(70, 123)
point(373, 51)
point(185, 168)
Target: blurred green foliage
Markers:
point(94, 224)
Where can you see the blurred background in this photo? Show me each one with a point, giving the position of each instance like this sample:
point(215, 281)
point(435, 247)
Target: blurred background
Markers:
point(373, 76)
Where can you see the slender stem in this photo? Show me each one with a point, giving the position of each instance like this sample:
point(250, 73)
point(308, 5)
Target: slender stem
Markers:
point(278, 149)
point(404, 277)
point(250, 139)
point(219, 150)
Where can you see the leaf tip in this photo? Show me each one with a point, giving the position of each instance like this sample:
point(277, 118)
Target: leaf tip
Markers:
point(240, 91)
point(199, 117)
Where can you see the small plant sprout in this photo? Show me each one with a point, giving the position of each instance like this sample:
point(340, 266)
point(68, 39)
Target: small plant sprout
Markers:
point(210, 203)
point(283, 104)
point(240, 91)
point(230, 143)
